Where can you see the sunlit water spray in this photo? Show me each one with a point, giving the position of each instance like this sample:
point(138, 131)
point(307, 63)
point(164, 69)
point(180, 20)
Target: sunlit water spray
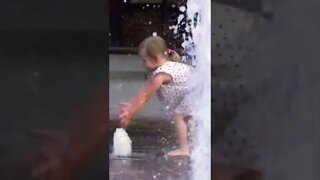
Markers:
point(199, 47)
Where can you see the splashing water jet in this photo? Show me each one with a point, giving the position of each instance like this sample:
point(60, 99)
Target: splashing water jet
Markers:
point(199, 16)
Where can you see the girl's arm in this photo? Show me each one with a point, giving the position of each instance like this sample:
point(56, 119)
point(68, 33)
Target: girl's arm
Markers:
point(143, 96)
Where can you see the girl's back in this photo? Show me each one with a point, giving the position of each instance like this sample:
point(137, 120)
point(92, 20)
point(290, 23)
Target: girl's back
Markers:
point(174, 92)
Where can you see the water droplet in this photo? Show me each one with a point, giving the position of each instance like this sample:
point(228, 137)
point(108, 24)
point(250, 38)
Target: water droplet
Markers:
point(150, 22)
point(120, 86)
point(154, 34)
point(143, 7)
point(154, 177)
point(182, 8)
point(173, 5)
point(147, 5)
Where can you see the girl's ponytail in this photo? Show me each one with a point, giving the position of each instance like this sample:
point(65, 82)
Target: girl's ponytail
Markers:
point(173, 55)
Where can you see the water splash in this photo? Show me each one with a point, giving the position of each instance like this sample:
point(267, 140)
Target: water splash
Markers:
point(182, 8)
point(199, 22)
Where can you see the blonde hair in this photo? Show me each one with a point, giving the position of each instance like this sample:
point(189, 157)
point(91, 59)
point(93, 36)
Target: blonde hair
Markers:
point(154, 45)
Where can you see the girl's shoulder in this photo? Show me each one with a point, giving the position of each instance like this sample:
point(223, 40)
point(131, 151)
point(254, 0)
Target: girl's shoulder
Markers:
point(174, 69)
point(168, 67)
point(178, 64)
point(171, 67)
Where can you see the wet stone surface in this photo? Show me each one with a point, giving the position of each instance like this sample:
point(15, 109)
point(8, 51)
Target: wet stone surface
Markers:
point(150, 141)
point(148, 166)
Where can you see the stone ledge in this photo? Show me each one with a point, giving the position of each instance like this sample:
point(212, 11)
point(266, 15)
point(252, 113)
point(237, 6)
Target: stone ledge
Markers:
point(147, 127)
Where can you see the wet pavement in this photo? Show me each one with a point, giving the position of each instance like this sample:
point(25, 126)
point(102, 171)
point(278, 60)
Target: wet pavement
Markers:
point(147, 166)
point(150, 141)
point(150, 166)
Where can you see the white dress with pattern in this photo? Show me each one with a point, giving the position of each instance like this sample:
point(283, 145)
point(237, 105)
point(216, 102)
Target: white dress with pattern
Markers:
point(174, 94)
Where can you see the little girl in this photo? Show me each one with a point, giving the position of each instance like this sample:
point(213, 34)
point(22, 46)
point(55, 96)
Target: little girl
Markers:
point(169, 80)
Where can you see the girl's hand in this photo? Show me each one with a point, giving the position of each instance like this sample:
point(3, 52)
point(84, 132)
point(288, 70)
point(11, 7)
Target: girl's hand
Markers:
point(129, 110)
point(124, 114)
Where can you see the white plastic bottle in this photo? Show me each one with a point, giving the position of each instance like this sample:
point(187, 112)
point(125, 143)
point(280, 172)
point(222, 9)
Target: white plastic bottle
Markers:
point(122, 144)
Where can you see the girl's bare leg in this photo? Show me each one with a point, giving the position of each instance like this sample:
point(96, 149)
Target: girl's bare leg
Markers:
point(182, 135)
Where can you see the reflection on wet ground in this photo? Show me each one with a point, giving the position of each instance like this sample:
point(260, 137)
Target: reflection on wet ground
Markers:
point(149, 167)
point(151, 140)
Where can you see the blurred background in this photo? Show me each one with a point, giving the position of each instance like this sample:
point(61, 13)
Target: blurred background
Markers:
point(52, 57)
point(265, 85)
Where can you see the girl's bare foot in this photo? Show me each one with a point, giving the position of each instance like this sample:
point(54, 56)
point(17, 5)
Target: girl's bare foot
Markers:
point(178, 152)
